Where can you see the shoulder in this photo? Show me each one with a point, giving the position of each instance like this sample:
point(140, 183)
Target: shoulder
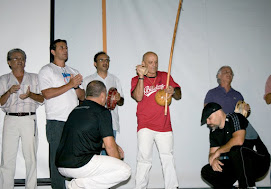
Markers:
point(73, 69)
point(112, 76)
point(161, 73)
point(236, 92)
point(5, 76)
point(45, 68)
point(238, 120)
point(135, 77)
point(90, 78)
point(31, 75)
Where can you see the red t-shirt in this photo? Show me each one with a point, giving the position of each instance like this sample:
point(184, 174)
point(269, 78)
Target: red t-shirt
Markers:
point(149, 114)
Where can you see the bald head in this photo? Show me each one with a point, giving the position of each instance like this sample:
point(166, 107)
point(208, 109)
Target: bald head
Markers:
point(147, 54)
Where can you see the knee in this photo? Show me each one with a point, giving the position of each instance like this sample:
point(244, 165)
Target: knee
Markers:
point(127, 171)
point(205, 171)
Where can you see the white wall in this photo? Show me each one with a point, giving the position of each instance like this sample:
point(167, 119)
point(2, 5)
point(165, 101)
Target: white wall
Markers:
point(26, 25)
point(211, 33)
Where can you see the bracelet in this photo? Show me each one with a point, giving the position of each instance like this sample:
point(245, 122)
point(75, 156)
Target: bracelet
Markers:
point(76, 88)
point(141, 78)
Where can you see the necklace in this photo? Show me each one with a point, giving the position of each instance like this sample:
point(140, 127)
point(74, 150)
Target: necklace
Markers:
point(152, 83)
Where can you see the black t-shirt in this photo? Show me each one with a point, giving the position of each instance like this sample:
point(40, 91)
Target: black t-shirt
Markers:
point(82, 135)
point(233, 122)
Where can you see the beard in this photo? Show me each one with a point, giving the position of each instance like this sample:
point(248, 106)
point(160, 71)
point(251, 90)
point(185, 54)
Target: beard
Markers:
point(213, 127)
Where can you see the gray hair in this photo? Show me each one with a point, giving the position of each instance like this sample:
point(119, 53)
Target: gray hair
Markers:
point(14, 51)
point(219, 72)
point(95, 88)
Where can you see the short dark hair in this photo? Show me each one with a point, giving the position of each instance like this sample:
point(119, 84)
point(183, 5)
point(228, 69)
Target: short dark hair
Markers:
point(95, 88)
point(99, 53)
point(53, 47)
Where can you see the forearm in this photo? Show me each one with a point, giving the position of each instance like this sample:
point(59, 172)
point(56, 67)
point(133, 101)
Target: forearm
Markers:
point(36, 97)
point(80, 94)
point(231, 143)
point(112, 151)
point(4, 98)
point(138, 92)
point(54, 92)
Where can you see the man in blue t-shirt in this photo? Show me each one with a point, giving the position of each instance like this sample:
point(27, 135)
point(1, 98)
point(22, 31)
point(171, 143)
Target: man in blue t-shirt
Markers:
point(87, 130)
point(232, 156)
point(224, 94)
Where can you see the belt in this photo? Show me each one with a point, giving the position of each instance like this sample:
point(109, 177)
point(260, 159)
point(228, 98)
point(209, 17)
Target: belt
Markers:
point(21, 114)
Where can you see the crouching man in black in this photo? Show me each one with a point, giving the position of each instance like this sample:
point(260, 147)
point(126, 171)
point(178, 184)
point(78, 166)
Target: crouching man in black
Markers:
point(232, 156)
point(88, 128)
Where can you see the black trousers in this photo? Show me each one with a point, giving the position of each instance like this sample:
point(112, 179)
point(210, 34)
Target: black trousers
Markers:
point(244, 165)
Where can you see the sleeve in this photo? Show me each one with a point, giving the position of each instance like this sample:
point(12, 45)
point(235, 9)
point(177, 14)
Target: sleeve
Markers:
point(45, 78)
point(36, 83)
point(3, 89)
point(133, 84)
point(267, 86)
point(173, 83)
point(239, 122)
point(208, 97)
point(105, 121)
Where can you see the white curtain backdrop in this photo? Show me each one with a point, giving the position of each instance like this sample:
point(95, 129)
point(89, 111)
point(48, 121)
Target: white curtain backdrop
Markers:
point(211, 33)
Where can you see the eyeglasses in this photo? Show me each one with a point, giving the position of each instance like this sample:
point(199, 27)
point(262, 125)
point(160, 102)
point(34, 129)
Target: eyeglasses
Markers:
point(227, 72)
point(104, 60)
point(17, 59)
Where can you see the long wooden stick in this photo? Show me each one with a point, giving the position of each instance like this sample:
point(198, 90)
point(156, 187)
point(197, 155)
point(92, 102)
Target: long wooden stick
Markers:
point(104, 25)
point(171, 52)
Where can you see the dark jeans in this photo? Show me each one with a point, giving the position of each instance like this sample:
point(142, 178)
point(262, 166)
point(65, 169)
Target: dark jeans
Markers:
point(54, 130)
point(244, 165)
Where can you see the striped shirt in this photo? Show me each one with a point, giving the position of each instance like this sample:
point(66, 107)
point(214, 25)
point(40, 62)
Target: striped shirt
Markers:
point(14, 104)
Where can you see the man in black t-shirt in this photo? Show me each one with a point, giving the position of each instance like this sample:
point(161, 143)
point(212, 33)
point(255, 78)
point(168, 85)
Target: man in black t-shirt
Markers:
point(232, 156)
point(87, 130)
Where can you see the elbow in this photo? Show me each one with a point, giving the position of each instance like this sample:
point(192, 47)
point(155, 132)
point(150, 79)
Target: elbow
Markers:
point(137, 97)
point(239, 142)
point(45, 96)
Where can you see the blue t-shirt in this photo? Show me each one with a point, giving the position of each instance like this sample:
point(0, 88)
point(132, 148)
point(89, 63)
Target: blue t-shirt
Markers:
point(227, 100)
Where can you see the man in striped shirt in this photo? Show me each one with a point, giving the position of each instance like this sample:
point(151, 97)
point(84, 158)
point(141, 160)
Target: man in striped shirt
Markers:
point(20, 97)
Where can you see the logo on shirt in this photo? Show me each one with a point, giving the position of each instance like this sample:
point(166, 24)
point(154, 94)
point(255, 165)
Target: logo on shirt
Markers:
point(66, 77)
point(148, 90)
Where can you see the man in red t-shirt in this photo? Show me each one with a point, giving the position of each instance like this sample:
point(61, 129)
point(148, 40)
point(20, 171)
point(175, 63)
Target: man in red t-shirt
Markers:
point(153, 125)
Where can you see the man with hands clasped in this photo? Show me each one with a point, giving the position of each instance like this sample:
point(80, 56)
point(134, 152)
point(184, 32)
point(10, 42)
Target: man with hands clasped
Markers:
point(20, 97)
point(60, 86)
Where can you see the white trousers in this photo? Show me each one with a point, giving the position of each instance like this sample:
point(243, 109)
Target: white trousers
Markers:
point(164, 143)
point(14, 129)
point(99, 173)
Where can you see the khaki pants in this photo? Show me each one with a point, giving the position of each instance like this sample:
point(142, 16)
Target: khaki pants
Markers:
point(14, 129)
